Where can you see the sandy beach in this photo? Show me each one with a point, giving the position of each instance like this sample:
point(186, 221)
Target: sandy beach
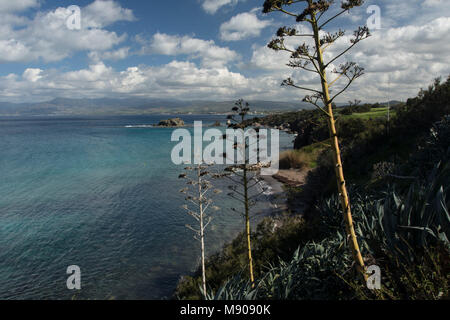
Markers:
point(276, 192)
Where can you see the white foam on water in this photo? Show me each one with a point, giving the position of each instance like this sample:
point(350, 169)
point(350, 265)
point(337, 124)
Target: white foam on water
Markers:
point(266, 189)
point(139, 126)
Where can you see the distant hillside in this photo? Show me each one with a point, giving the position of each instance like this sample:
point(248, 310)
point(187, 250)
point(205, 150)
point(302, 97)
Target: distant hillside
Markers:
point(106, 106)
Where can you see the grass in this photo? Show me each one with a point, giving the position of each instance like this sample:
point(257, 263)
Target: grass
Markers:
point(374, 113)
point(292, 159)
point(312, 152)
point(305, 157)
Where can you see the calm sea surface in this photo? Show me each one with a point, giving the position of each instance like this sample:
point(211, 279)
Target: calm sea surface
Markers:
point(100, 193)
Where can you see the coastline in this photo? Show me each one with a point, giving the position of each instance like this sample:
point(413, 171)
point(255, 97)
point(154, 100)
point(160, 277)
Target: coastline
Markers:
point(279, 185)
point(276, 195)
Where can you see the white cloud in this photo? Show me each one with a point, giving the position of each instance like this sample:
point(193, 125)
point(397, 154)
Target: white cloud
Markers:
point(176, 79)
point(267, 59)
point(95, 73)
point(433, 3)
point(212, 6)
point(46, 36)
point(417, 12)
point(131, 79)
point(32, 75)
point(17, 5)
point(243, 26)
point(100, 14)
point(12, 50)
point(173, 45)
point(397, 61)
point(405, 55)
point(119, 54)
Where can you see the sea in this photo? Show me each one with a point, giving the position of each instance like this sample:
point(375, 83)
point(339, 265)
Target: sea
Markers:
point(101, 193)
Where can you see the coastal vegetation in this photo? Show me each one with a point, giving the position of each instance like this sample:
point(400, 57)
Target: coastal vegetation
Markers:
point(397, 178)
point(131, 171)
point(400, 203)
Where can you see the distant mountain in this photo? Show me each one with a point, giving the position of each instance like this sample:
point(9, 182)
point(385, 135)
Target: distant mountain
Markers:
point(136, 106)
point(391, 103)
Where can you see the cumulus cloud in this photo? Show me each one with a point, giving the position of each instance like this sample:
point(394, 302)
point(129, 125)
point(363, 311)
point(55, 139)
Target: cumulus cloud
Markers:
point(46, 36)
point(406, 54)
point(12, 50)
point(401, 60)
point(212, 6)
point(17, 5)
point(177, 79)
point(243, 26)
point(433, 3)
point(417, 12)
point(100, 14)
point(174, 45)
point(397, 61)
point(32, 75)
point(119, 54)
point(266, 59)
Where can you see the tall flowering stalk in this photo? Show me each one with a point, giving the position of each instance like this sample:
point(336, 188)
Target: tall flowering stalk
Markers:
point(309, 56)
point(198, 204)
point(245, 175)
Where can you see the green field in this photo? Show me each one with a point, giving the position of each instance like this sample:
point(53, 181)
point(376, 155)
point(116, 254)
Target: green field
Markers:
point(374, 113)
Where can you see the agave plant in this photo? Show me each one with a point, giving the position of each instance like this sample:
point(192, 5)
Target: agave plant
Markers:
point(422, 217)
point(393, 224)
point(237, 288)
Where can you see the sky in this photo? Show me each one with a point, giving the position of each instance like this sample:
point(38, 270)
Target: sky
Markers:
point(207, 50)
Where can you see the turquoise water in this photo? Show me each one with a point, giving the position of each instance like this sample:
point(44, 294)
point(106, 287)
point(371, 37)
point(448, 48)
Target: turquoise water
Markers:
point(95, 193)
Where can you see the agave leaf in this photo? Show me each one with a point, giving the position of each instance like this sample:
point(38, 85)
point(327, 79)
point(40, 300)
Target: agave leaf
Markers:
point(444, 239)
point(390, 223)
point(423, 229)
point(397, 200)
point(443, 212)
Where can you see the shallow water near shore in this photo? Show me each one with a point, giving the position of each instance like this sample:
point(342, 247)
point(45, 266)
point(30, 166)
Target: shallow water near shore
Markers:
point(100, 193)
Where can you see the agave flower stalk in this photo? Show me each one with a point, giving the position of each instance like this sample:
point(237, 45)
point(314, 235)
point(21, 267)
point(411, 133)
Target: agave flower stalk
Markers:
point(309, 57)
point(246, 174)
point(196, 195)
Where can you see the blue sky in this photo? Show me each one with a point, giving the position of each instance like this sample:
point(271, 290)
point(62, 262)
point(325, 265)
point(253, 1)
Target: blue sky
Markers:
point(205, 49)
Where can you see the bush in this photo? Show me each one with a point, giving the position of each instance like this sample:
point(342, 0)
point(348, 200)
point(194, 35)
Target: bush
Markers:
point(407, 236)
point(273, 239)
point(434, 147)
point(428, 107)
point(292, 159)
point(403, 228)
point(349, 110)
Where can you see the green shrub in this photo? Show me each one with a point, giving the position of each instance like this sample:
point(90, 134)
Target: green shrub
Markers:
point(428, 107)
point(273, 239)
point(349, 110)
point(407, 236)
point(292, 159)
